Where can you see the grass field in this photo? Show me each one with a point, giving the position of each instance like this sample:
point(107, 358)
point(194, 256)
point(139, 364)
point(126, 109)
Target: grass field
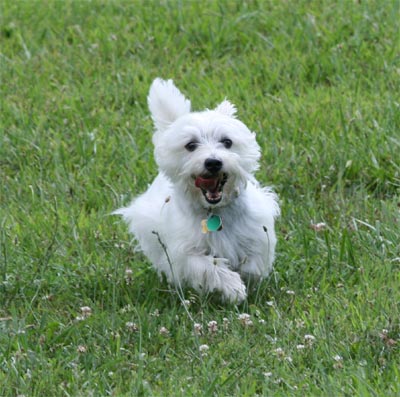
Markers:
point(83, 314)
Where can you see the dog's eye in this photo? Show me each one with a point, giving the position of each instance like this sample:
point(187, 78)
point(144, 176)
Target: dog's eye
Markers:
point(191, 146)
point(227, 143)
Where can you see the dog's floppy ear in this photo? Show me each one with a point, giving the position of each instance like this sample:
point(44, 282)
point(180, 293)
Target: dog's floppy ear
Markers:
point(166, 103)
point(227, 108)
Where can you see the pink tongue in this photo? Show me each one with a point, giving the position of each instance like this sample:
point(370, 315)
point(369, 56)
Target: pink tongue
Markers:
point(209, 184)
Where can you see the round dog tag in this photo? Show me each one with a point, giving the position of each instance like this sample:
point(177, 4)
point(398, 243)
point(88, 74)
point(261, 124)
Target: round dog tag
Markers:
point(214, 223)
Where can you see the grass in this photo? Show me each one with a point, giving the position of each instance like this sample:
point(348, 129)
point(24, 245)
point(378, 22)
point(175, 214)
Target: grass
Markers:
point(318, 81)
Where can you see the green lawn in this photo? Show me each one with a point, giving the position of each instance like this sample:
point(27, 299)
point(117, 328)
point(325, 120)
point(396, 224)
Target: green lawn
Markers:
point(83, 314)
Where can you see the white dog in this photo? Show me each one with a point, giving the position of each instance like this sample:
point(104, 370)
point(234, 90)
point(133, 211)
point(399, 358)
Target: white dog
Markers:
point(204, 221)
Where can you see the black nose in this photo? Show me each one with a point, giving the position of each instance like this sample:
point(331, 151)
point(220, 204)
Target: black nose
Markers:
point(213, 165)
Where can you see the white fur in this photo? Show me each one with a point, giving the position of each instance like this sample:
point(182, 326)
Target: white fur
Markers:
point(174, 207)
point(166, 103)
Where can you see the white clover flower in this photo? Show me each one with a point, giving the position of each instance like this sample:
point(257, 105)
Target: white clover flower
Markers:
point(86, 311)
point(310, 339)
point(128, 276)
point(81, 349)
point(280, 352)
point(164, 331)
point(338, 362)
point(198, 329)
point(213, 327)
point(203, 349)
point(132, 327)
point(318, 227)
point(244, 318)
point(300, 347)
point(384, 334)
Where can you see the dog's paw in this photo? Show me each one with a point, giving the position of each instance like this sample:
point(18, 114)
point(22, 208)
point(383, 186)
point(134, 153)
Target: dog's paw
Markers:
point(211, 274)
point(236, 291)
point(229, 283)
point(235, 296)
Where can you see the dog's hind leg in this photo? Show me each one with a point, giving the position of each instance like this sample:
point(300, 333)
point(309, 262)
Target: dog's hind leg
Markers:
point(255, 267)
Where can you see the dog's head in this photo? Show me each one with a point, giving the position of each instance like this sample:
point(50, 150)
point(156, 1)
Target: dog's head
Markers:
point(210, 154)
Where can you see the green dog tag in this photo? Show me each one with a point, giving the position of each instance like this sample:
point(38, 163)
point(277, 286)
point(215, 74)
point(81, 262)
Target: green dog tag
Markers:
point(214, 223)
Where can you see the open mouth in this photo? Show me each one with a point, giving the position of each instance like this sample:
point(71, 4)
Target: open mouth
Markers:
point(211, 186)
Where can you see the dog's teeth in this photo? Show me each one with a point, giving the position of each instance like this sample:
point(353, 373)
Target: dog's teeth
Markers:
point(213, 196)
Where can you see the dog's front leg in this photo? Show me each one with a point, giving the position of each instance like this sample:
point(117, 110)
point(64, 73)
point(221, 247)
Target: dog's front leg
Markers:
point(207, 274)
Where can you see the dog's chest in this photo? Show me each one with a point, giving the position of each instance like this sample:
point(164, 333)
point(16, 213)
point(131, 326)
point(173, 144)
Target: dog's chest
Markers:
point(232, 242)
